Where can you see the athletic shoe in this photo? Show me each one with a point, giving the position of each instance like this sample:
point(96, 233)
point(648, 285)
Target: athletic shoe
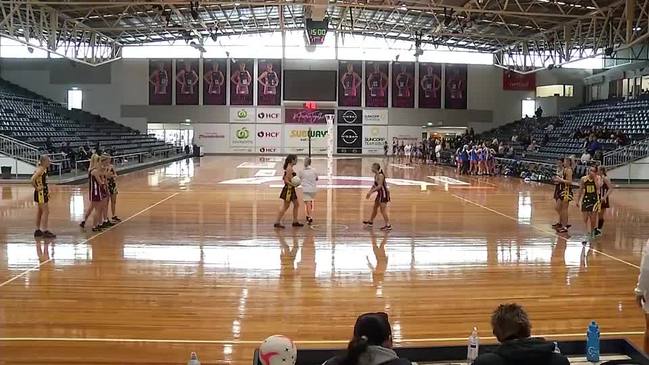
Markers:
point(97, 229)
point(48, 234)
point(386, 228)
point(562, 230)
point(309, 220)
point(556, 225)
point(368, 223)
point(115, 219)
point(277, 225)
point(38, 233)
point(298, 224)
point(109, 224)
point(597, 232)
point(82, 224)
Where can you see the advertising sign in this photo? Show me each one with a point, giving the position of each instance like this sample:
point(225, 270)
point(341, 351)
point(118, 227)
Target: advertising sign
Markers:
point(268, 138)
point(350, 138)
point(242, 138)
point(296, 139)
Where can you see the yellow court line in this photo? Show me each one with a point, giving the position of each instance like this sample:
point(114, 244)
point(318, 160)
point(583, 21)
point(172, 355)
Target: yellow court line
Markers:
point(35, 267)
point(303, 342)
point(544, 230)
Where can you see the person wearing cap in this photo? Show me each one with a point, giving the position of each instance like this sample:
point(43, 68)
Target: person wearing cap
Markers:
point(371, 343)
point(512, 328)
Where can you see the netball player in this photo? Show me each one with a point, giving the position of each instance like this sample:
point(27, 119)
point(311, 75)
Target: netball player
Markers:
point(377, 82)
point(160, 80)
point(482, 163)
point(430, 83)
point(605, 191)
point(350, 81)
point(403, 82)
point(94, 161)
point(187, 79)
point(309, 178)
point(112, 189)
point(105, 196)
point(382, 199)
point(214, 79)
point(589, 199)
point(42, 197)
point(288, 194)
point(473, 160)
point(269, 80)
point(241, 80)
point(563, 194)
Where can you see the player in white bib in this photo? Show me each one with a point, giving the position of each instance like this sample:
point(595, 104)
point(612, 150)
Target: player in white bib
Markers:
point(309, 178)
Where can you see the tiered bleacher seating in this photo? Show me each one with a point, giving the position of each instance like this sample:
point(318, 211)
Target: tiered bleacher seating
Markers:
point(32, 118)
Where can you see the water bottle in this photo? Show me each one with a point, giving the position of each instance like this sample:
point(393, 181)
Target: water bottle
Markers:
point(556, 348)
point(472, 348)
point(193, 359)
point(592, 342)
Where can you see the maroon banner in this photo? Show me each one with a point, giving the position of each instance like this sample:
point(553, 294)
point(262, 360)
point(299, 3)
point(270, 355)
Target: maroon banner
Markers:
point(187, 82)
point(349, 92)
point(160, 82)
point(214, 85)
point(241, 89)
point(270, 82)
point(430, 85)
point(403, 85)
point(455, 91)
point(376, 84)
point(515, 81)
point(307, 116)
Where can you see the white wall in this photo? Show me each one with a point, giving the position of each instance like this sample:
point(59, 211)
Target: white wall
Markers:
point(637, 170)
point(119, 91)
point(22, 167)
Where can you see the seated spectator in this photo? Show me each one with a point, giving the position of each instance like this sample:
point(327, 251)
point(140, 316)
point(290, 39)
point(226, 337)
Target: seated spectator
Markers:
point(593, 145)
point(532, 147)
point(371, 343)
point(512, 328)
point(515, 138)
point(501, 149)
point(585, 157)
point(538, 113)
point(550, 127)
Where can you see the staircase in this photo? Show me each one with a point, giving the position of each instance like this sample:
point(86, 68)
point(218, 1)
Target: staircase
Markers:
point(627, 154)
point(19, 150)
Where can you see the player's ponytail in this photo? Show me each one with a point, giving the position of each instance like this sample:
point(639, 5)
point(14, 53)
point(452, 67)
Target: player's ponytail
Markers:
point(356, 347)
point(289, 159)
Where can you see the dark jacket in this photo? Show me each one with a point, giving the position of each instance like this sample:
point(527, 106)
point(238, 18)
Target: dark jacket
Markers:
point(528, 351)
point(375, 355)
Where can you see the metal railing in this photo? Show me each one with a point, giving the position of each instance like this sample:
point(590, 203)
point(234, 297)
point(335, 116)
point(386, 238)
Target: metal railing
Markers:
point(627, 154)
point(129, 159)
point(28, 153)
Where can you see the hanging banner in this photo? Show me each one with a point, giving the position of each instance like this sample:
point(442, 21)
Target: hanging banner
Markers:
point(430, 85)
point(296, 138)
point(241, 85)
point(350, 116)
point(350, 138)
point(268, 138)
point(159, 82)
point(374, 139)
point(376, 84)
point(307, 116)
point(214, 85)
point(242, 138)
point(270, 82)
point(455, 91)
point(515, 81)
point(403, 85)
point(187, 82)
point(349, 91)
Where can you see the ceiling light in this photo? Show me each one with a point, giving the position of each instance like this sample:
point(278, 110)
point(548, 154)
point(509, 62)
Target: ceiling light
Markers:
point(187, 120)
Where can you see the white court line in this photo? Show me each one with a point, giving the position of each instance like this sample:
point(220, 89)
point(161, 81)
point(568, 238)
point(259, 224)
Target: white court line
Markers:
point(35, 267)
point(544, 230)
point(309, 342)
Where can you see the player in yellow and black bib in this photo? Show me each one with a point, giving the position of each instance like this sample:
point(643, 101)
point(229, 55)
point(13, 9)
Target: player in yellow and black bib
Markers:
point(589, 199)
point(42, 197)
point(288, 194)
point(563, 194)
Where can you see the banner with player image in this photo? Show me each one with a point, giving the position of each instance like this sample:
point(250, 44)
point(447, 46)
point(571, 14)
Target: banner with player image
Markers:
point(214, 83)
point(376, 84)
point(241, 85)
point(350, 138)
point(430, 85)
point(349, 76)
point(187, 82)
point(270, 82)
point(403, 85)
point(455, 90)
point(160, 82)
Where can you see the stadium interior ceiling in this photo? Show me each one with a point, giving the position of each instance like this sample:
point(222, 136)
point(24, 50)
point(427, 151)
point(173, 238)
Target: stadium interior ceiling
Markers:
point(525, 35)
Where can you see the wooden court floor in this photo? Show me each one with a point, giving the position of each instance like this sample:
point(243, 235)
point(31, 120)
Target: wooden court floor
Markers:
point(197, 266)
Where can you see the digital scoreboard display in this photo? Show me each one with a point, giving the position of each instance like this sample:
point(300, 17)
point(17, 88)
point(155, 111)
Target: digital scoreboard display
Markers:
point(316, 30)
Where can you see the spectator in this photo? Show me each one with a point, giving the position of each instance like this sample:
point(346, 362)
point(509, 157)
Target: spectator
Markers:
point(187, 149)
point(539, 112)
point(501, 149)
point(515, 138)
point(585, 158)
point(512, 328)
point(550, 127)
point(593, 145)
point(532, 147)
point(371, 343)
point(49, 146)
